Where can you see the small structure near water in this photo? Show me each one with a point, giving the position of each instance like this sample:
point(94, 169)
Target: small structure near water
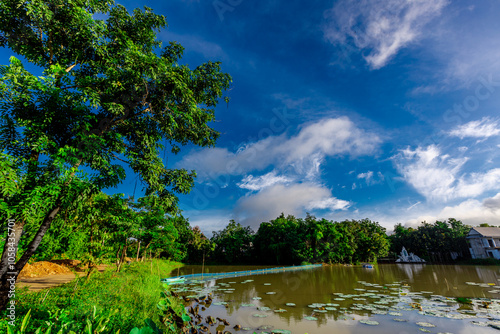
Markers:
point(408, 258)
point(484, 242)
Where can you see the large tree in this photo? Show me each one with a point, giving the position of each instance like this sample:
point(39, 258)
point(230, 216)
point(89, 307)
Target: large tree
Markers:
point(95, 95)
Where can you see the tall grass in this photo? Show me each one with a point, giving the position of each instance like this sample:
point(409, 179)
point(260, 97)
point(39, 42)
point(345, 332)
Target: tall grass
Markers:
point(126, 298)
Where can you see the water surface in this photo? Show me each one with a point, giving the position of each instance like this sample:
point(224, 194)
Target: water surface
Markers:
point(340, 299)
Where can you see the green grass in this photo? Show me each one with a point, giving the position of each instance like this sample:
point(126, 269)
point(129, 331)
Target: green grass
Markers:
point(126, 299)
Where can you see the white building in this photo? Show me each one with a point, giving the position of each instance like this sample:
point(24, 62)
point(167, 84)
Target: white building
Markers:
point(484, 242)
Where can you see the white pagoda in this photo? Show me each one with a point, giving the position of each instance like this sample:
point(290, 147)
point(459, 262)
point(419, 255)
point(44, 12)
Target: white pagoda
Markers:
point(405, 257)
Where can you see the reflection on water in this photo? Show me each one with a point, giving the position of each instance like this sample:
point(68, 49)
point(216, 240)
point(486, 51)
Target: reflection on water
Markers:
point(337, 298)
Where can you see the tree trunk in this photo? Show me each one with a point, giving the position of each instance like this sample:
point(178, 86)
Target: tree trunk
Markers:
point(118, 257)
point(138, 248)
point(7, 269)
point(124, 253)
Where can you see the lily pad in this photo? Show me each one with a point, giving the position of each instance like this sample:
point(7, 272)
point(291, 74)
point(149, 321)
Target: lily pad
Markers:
point(310, 318)
point(264, 327)
point(425, 324)
point(259, 315)
point(369, 322)
point(290, 304)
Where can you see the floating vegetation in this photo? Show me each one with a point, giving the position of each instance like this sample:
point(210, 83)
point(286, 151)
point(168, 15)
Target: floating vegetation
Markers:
point(396, 314)
point(385, 301)
point(264, 327)
point(425, 324)
point(464, 300)
point(480, 323)
point(281, 331)
point(316, 305)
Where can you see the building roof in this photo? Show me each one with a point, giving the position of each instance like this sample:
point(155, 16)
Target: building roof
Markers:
point(493, 232)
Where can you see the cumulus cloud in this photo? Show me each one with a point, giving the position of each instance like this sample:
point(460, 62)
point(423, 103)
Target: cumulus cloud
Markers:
point(483, 128)
point(331, 203)
point(382, 27)
point(302, 152)
point(471, 212)
point(258, 183)
point(440, 177)
point(293, 199)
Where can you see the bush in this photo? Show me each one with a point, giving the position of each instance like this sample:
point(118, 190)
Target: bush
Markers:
point(122, 300)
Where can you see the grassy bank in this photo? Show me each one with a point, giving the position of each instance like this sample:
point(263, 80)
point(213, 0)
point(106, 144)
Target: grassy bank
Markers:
point(115, 301)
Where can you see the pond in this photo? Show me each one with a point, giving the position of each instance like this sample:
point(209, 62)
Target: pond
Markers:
point(390, 298)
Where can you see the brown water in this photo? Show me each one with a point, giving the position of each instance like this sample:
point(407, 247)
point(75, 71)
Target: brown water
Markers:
point(350, 294)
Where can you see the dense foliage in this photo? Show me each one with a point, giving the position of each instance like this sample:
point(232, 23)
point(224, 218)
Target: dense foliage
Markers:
point(439, 242)
point(106, 303)
point(82, 98)
point(290, 240)
point(110, 229)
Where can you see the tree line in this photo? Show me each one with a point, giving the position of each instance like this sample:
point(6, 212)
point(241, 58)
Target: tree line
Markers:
point(291, 240)
point(442, 241)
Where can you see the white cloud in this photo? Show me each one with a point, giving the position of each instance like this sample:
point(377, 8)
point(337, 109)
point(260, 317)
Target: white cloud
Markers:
point(471, 212)
point(382, 27)
point(258, 183)
point(368, 176)
point(303, 152)
point(293, 199)
point(484, 128)
point(331, 203)
point(439, 177)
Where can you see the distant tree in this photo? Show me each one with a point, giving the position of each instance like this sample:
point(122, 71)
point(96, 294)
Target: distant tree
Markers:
point(199, 247)
point(485, 225)
point(281, 241)
point(233, 244)
point(433, 241)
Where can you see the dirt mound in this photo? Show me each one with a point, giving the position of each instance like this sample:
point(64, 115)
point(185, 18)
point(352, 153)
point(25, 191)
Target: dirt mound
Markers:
point(67, 263)
point(43, 268)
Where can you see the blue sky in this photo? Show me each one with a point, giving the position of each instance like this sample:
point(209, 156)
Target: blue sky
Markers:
point(380, 109)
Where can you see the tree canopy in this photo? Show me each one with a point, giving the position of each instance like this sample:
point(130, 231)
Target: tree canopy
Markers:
point(82, 98)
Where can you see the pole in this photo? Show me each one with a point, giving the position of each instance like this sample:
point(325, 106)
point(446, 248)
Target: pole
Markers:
point(203, 265)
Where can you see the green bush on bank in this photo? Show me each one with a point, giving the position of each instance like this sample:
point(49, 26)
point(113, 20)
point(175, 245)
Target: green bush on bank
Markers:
point(121, 301)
